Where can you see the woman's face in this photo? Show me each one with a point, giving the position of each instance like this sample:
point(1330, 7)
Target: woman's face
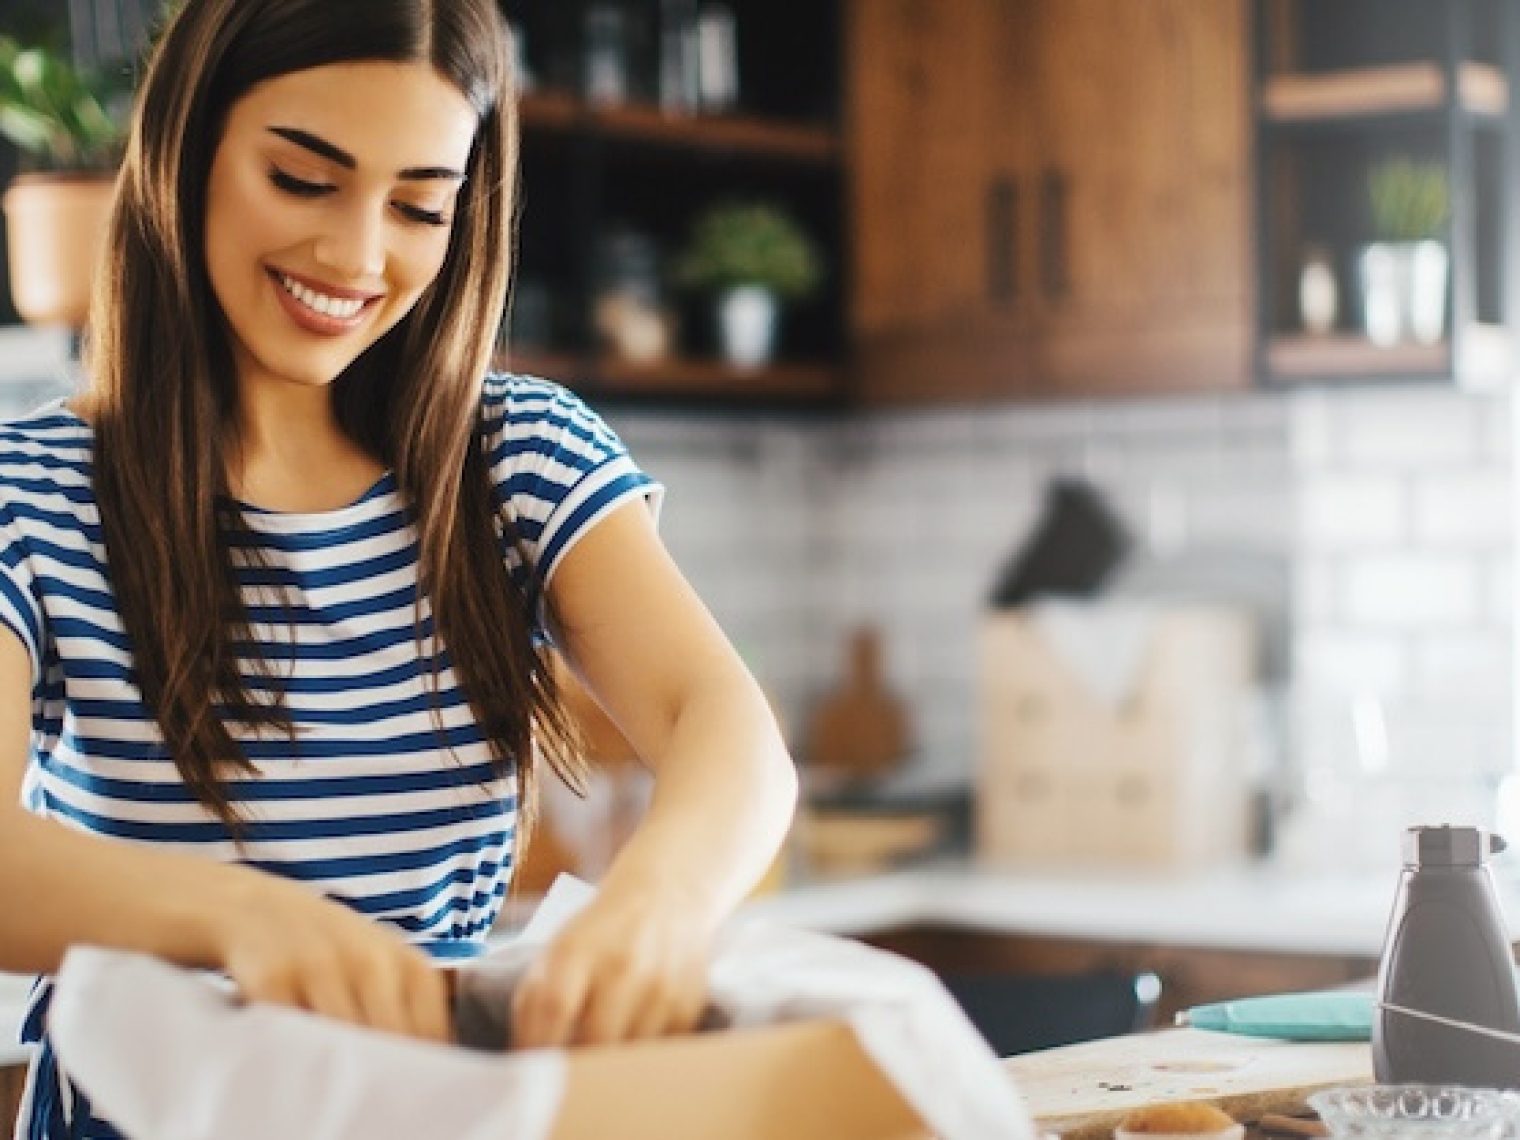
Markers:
point(329, 210)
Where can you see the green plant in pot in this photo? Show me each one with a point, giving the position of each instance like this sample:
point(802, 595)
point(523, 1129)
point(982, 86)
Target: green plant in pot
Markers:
point(1404, 270)
point(67, 126)
point(752, 256)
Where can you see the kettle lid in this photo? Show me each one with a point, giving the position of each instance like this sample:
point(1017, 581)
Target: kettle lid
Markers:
point(1447, 846)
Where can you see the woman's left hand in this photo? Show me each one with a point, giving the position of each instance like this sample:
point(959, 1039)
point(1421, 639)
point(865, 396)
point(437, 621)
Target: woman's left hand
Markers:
point(632, 965)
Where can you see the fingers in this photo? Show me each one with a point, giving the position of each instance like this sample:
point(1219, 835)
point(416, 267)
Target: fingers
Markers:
point(403, 993)
point(677, 1009)
point(382, 1001)
point(546, 1009)
point(430, 1006)
point(636, 1006)
point(613, 1008)
point(565, 1002)
point(360, 974)
point(325, 990)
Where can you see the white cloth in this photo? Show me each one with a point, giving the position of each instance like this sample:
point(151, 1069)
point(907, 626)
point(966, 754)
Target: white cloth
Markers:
point(1103, 644)
point(167, 1053)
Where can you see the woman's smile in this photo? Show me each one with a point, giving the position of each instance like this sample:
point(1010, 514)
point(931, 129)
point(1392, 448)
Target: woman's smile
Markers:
point(320, 311)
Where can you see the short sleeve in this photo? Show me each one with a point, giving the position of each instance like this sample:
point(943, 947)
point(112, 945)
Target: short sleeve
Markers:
point(20, 605)
point(557, 468)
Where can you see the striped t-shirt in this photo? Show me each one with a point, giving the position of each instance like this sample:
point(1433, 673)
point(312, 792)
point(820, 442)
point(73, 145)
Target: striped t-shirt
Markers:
point(385, 797)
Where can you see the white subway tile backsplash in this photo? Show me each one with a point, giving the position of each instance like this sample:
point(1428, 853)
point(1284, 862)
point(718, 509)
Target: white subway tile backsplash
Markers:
point(1346, 511)
point(1499, 587)
point(1498, 426)
point(1412, 591)
point(1410, 428)
point(1316, 592)
point(1314, 442)
point(1198, 418)
point(1447, 738)
point(1463, 666)
point(1349, 661)
point(1464, 509)
point(1254, 517)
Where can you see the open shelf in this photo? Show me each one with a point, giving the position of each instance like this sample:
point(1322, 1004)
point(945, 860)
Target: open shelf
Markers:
point(1486, 353)
point(683, 378)
point(1393, 89)
point(636, 120)
point(742, 134)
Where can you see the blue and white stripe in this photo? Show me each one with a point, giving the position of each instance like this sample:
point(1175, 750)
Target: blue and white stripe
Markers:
point(385, 798)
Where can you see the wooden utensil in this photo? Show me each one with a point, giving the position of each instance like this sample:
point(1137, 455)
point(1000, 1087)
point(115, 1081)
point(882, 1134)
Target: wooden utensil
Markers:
point(860, 729)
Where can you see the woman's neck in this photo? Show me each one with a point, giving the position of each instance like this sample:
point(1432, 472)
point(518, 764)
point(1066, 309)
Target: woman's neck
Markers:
point(293, 455)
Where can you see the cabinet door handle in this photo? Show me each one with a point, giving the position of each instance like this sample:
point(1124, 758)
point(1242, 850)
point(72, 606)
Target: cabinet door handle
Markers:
point(1002, 240)
point(1055, 276)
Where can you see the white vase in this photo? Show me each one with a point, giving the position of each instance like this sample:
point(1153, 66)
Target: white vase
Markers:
point(1404, 291)
point(1318, 296)
point(747, 325)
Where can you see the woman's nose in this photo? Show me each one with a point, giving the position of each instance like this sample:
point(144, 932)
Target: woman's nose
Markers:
point(352, 243)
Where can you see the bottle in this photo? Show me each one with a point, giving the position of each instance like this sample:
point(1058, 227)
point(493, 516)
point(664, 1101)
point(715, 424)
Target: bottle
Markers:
point(1318, 295)
point(1447, 956)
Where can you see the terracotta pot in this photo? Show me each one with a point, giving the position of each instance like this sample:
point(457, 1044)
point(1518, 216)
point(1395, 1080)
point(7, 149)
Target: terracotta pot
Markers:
point(55, 227)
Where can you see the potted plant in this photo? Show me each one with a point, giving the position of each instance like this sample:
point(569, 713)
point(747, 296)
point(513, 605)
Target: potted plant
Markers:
point(752, 256)
point(63, 122)
point(1404, 270)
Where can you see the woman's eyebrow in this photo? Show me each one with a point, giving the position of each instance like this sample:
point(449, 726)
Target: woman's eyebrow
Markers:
point(321, 146)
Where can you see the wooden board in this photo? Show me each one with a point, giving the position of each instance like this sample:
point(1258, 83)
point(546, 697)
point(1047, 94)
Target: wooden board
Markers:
point(1082, 1091)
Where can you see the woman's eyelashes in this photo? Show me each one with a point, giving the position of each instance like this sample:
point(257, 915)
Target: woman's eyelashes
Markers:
point(304, 189)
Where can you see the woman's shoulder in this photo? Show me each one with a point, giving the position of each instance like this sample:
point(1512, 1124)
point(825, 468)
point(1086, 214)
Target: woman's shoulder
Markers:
point(521, 408)
point(48, 444)
point(514, 394)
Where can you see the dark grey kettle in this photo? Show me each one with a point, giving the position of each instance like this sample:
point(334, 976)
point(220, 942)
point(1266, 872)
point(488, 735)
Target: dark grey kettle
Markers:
point(1447, 959)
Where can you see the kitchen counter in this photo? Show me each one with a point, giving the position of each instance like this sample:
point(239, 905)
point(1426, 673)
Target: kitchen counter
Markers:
point(1245, 908)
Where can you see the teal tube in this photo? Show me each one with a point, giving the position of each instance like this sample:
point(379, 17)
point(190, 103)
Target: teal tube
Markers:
point(1331, 1015)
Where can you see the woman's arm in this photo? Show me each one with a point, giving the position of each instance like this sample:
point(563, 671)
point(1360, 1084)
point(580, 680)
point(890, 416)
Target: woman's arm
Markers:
point(277, 940)
point(724, 792)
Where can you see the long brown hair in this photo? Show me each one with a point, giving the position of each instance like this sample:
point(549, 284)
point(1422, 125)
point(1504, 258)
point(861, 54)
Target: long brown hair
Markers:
point(165, 390)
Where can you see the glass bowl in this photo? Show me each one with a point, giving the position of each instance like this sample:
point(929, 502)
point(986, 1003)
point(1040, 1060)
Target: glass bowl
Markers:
point(1414, 1112)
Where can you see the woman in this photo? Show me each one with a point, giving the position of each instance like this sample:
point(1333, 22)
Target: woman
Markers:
point(276, 588)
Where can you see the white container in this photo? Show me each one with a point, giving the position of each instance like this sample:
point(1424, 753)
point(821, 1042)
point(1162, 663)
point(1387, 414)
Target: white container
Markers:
point(747, 325)
point(1404, 291)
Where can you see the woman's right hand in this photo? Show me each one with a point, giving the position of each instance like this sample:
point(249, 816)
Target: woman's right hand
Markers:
point(283, 943)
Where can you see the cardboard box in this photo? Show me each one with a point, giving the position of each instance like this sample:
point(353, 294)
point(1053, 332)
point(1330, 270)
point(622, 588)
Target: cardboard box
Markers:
point(1160, 780)
point(801, 1081)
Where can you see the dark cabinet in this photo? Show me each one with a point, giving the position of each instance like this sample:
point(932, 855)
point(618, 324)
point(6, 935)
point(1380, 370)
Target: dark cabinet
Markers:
point(1189, 975)
point(619, 158)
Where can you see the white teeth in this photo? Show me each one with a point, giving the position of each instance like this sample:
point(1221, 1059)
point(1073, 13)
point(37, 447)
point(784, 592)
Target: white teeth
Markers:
point(319, 302)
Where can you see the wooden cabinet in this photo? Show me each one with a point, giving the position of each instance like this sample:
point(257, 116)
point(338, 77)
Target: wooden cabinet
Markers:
point(934, 203)
point(12, 1085)
point(1189, 975)
point(1048, 197)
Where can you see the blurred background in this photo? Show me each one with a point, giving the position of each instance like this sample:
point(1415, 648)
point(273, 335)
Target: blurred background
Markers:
point(1091, 419)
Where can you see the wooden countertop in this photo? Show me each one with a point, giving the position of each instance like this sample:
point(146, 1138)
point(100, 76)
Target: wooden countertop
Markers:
point(1081, 1091)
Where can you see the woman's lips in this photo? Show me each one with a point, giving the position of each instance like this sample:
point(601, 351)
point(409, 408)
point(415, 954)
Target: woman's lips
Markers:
point(312, 321)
